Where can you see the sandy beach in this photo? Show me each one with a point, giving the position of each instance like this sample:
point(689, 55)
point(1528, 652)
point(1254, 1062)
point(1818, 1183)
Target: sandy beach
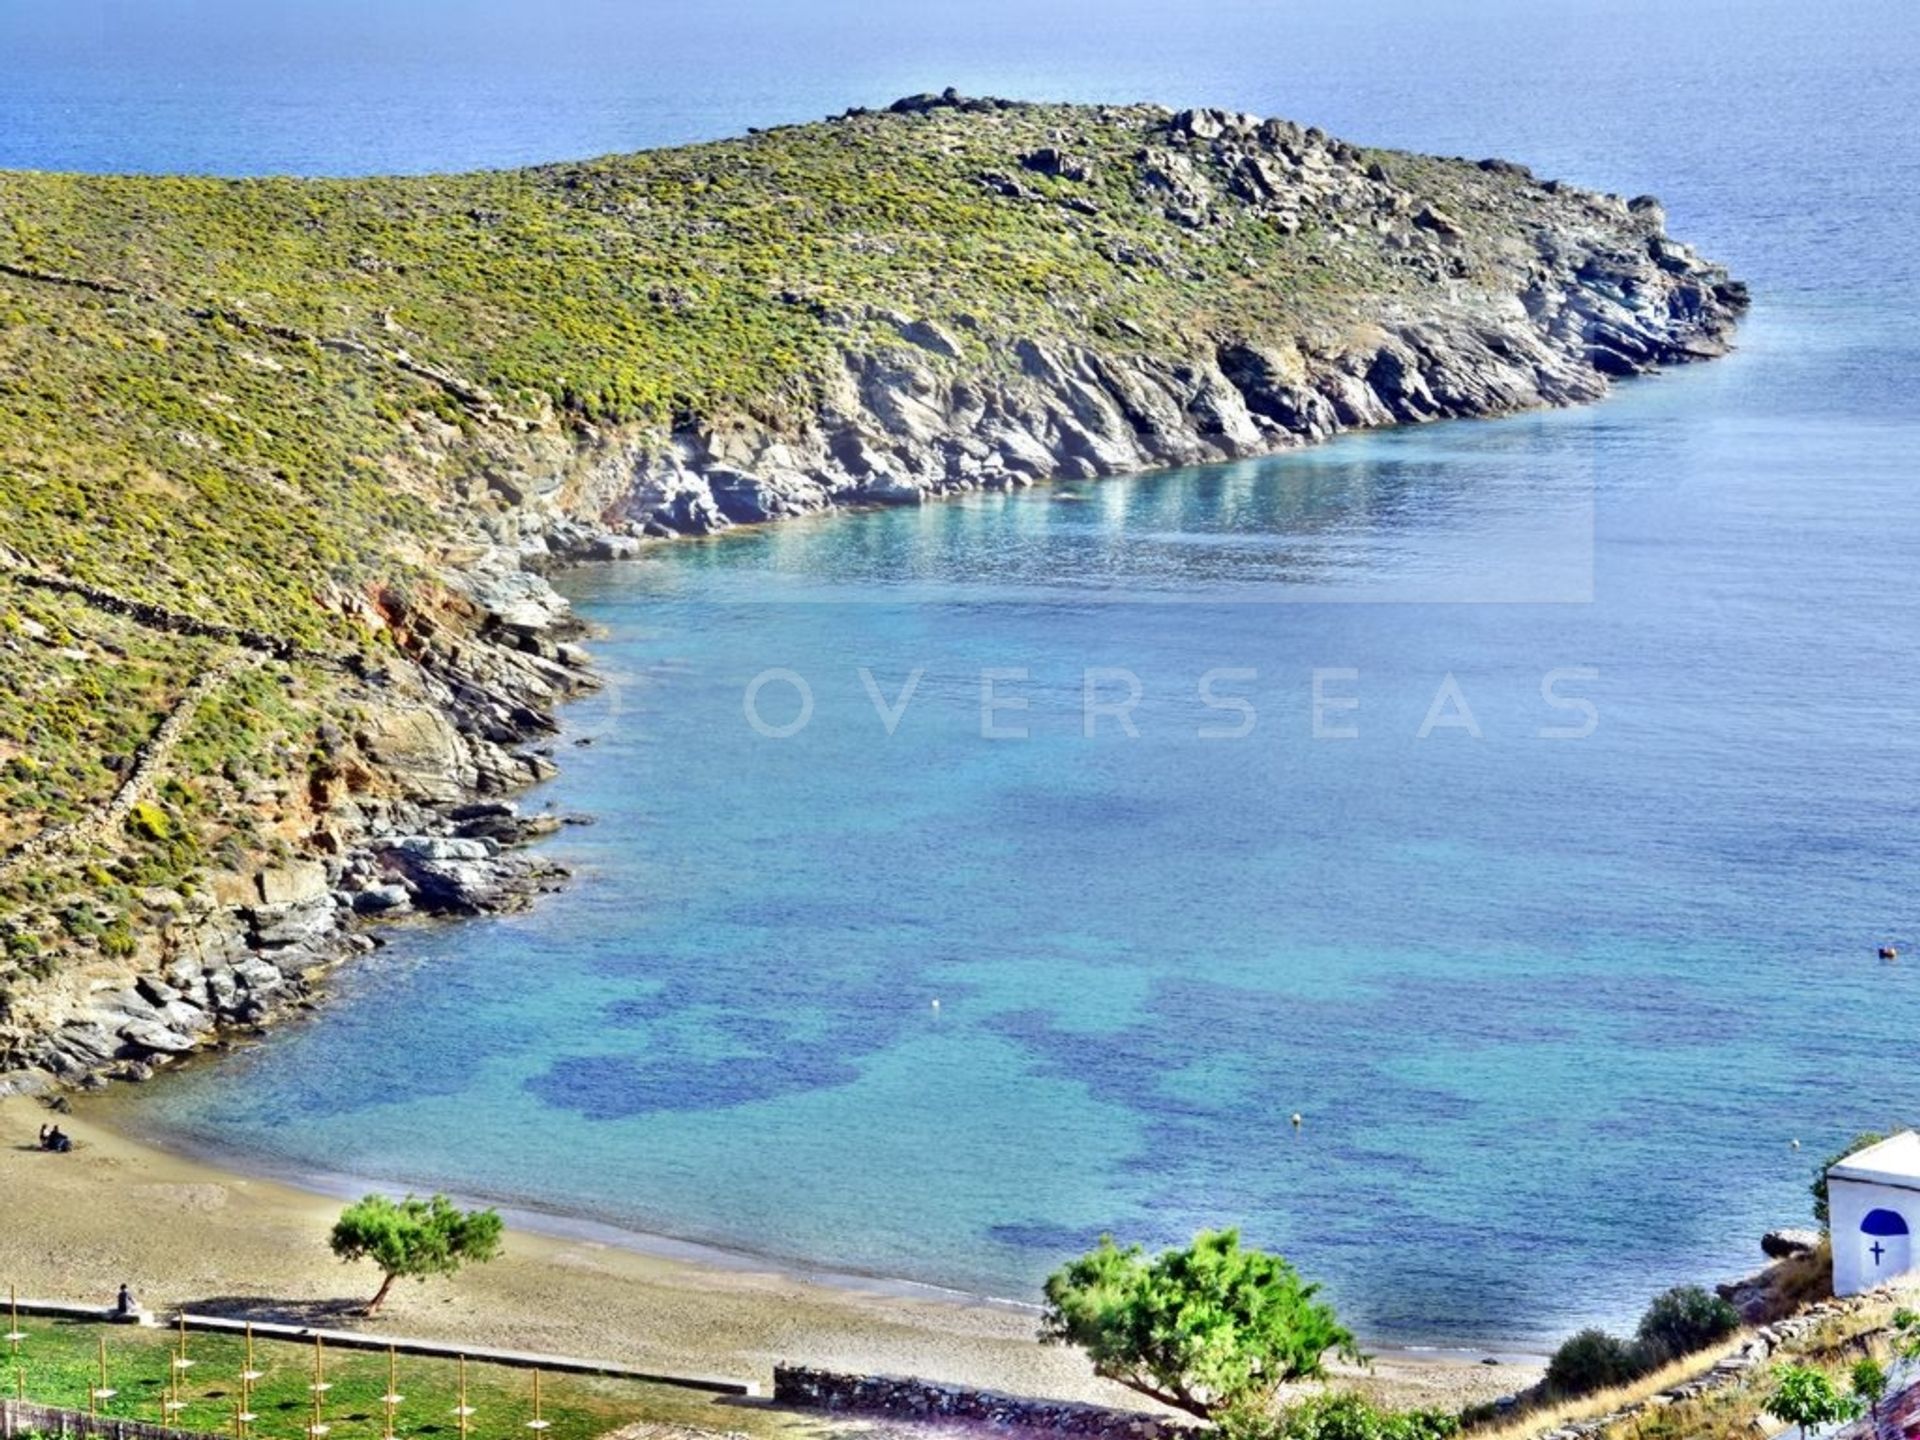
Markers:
point(186, 1233)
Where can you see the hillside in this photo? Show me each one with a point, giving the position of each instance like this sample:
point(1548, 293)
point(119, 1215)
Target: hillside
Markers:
point(280, 459)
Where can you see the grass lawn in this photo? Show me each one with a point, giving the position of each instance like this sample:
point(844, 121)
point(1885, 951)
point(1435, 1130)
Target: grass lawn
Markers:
point(58, 1363)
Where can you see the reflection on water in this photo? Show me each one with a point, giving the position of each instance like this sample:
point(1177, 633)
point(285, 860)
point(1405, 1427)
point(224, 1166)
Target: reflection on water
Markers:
point(1493, 513)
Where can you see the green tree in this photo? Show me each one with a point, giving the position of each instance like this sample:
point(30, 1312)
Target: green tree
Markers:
point(1819, 1186)
point(414, 1238)
point(1683, 1320)
point(1806, 1397)
point(1205, 1329)
point(1592, 1360)
point(1869, 1384)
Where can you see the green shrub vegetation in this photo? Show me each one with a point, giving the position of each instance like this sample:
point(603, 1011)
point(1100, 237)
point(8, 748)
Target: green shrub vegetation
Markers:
point(1592, 1360)
point(1341, 1415)
point(1683, 1320)
point(1679, 1322)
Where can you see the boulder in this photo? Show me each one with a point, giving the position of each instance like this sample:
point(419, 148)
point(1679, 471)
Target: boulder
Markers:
point(382, 900)
point(929, 335)
point(1779, 1244)
point(1649, 208)
point(258, 976)
point(80, 1045)
point(612, 547)
point(1395, 376)
point(693, 512)
point(185, 1018)
point(1258, 179)
point(294, 883)
point(444, 847)
point(275, 926)
point(24, 1082)
point(1200, 124)
point(152, 1036)
point(750, 498)
point(516, 598)
point(1432, 217)
point(422, 751)
point(224, 990)
point(1049, 160)
point(1220, 415)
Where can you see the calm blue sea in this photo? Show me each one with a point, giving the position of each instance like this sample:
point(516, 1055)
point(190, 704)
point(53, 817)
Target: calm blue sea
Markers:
point(1554, 1010)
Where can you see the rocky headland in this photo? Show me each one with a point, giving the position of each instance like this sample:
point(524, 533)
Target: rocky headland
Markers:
point(283, 463)
point(1521, 294)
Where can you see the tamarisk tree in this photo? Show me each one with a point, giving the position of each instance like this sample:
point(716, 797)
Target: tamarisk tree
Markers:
point(414, 1238)
point(1206, 1329)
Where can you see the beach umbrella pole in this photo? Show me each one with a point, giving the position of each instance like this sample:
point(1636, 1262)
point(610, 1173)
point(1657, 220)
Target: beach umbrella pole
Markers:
point(393, 1396)
point(463, 1410)
point(100, 1391)
point(319, 1387)
point(536, 1423)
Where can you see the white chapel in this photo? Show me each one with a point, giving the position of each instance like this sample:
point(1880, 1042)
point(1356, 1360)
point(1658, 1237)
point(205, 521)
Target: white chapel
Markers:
point(1873, 1209)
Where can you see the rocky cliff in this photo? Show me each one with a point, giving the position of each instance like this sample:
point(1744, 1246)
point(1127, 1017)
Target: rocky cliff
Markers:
point(1505, 294)
point(282, 462)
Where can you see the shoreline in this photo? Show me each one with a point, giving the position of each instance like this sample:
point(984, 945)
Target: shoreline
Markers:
point(524, 1217)
point(184, 1231)
point(529, 1218)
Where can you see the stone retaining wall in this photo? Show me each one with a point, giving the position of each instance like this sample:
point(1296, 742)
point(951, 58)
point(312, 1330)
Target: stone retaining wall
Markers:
point(22, 1417)
point(923, 1400)
point(149, 759)
point(1748, 1359)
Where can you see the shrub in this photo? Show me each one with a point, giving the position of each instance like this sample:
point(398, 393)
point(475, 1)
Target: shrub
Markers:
point(1344, 1416)
point(149, 821)
point(117, 940)
point(1906, 1334)
point(1683, 1320)
point(1593, 1360)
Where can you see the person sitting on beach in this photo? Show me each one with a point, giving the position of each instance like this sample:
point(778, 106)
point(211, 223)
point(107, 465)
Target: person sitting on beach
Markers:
point(53, 1138)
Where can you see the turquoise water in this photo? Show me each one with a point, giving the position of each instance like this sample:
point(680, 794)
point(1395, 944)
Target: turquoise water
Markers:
point(1554, 1009)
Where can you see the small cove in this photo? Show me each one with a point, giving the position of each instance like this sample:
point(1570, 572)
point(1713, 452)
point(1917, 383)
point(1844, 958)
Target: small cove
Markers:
point(1554, 1011)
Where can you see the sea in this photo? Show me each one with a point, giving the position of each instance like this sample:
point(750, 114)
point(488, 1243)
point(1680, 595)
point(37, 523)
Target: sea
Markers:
point(1457, 857)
